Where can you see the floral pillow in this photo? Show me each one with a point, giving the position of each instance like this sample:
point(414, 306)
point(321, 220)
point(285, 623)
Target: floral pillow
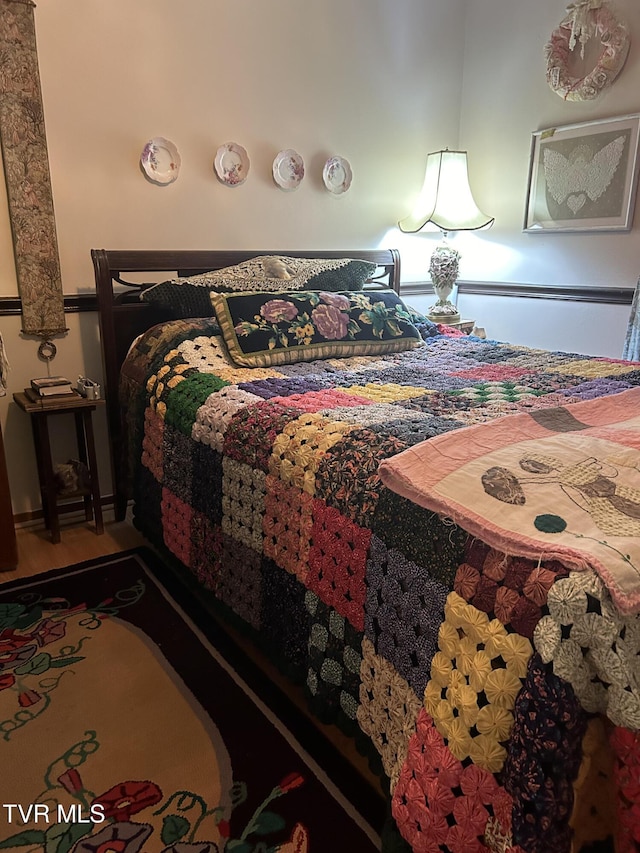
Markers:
point(266, 329)
point(189, 297)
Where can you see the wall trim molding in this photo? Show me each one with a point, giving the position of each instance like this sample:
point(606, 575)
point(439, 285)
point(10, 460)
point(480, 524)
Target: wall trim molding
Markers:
point(565, 292)
point(72, 304)
point(81, 302)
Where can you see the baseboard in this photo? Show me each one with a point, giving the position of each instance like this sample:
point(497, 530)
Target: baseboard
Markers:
point(36, 517)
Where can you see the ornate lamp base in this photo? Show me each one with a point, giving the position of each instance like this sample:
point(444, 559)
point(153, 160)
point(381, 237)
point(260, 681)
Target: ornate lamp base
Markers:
point(444, 272)
point(446, 313)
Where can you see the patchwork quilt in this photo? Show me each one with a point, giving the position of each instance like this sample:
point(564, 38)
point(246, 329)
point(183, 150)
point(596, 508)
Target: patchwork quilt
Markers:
point(498, 695)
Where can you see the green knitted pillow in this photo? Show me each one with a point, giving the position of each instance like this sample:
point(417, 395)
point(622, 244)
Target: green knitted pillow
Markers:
point(189, 297)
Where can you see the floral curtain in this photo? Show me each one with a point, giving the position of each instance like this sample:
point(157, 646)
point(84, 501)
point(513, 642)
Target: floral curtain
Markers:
point(26, 167)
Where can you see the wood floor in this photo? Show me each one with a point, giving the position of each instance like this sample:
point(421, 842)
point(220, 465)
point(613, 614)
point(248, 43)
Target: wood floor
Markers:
point(78, 542)
point(36, 552)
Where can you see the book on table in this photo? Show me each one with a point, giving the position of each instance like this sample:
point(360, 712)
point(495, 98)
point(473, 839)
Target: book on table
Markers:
point(56, 390)
point(43, 399)
point(48, 381)
point(47, 386)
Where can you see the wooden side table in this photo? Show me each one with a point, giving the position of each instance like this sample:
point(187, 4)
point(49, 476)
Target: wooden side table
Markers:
point(465, 326)
point(82, 410)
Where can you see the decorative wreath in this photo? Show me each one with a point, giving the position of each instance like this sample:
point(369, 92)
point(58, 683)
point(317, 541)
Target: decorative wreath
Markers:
point(591, 17)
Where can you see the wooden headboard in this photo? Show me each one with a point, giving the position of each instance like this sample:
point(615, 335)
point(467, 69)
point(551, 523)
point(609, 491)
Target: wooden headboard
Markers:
point(123, 316)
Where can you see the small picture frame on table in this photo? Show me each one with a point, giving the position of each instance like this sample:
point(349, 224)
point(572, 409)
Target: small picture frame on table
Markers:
point(583, 177)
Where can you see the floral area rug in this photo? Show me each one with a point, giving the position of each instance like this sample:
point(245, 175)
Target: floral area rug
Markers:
point(124, 729)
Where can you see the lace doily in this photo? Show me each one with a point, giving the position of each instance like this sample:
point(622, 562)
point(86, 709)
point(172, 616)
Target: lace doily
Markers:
point(586, 19)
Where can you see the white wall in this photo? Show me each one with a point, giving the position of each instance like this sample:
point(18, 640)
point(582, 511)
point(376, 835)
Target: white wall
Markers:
point(315, 77)
point(583, 327)
point(375, 81)
point(381, 82)
point(505, 98)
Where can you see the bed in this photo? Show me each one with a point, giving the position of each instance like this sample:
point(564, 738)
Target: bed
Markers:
point(332, 502)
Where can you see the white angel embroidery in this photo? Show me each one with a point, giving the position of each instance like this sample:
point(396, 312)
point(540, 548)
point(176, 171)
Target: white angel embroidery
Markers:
point(582, 174)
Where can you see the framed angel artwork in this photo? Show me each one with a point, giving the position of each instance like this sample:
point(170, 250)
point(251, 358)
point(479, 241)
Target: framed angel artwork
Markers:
point(583, 177)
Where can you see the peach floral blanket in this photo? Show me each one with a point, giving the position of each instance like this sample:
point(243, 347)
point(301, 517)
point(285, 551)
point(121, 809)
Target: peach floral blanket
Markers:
point(558, 483)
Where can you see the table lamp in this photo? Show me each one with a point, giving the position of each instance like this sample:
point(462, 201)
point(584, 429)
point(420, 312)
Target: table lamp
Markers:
point(447, 202)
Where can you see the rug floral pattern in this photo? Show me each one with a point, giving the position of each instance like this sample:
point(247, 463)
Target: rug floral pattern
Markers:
point(110, 748)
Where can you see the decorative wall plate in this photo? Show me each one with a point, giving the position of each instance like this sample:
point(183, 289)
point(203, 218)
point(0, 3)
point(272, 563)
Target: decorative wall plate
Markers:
point(337, 175)
point(160, 160)
point(288, 169)
point(231, 164)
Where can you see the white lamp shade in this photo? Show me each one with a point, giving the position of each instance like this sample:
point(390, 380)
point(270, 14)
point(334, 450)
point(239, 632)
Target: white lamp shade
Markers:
point(446, 198)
